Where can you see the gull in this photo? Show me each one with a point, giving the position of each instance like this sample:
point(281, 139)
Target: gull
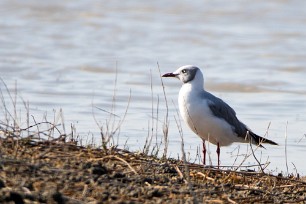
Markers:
point(208, 116)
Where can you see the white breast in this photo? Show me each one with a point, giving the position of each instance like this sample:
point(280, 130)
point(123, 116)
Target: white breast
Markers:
point(198, 116)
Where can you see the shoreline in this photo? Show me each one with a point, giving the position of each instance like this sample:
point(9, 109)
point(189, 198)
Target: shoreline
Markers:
point(42, 171)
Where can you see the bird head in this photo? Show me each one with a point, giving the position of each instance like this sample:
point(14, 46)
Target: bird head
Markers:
point(185, 73)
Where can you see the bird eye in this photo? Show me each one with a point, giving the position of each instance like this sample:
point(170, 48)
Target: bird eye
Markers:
point(184, 71)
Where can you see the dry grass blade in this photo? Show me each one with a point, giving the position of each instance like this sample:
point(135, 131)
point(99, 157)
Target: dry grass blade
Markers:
point(286, 156)
point(205, 176)
point(115, 157)
point(253, 153)
point(179, 172)
point(166, 121)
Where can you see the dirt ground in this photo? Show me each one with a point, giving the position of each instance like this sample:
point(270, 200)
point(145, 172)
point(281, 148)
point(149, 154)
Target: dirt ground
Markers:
point(60, 172)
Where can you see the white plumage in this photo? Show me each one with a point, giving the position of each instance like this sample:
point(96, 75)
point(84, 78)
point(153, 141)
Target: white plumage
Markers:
point(207, 115)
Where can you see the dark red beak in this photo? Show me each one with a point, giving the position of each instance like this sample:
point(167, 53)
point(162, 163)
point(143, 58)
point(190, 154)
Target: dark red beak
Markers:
point(169, 75)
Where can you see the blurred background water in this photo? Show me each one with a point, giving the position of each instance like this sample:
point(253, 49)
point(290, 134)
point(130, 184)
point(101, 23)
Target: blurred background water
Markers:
point(64, 55)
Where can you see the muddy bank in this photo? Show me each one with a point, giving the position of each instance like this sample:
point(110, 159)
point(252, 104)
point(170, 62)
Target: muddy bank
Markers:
point(62, 172)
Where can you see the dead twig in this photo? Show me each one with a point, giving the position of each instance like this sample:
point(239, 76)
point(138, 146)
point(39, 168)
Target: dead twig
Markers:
point(115, 157)
point(179, 171)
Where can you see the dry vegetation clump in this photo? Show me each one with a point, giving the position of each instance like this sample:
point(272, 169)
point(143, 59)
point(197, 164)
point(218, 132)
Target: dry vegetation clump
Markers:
point(60, 171)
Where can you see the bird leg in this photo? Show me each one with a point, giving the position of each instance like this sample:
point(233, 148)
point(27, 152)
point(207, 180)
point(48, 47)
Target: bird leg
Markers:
point(218, 153)
point(204, 152)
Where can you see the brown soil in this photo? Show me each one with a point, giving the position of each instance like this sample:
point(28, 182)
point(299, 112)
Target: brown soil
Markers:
point(59, 172)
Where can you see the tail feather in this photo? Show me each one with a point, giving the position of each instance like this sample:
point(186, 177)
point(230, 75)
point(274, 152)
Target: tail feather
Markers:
point(259, 140)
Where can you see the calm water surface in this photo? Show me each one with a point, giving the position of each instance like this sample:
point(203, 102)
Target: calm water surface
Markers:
point(64, 54)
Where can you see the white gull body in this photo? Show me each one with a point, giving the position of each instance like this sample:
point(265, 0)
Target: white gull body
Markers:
point(194, 108)
point(208, 116)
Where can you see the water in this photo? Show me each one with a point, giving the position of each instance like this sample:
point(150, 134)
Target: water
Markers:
point(64, 54)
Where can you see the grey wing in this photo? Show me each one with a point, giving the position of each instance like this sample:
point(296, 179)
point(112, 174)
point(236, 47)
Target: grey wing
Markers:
point(222, 110)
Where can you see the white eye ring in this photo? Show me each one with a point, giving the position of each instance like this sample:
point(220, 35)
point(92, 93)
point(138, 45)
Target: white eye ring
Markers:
point(184, 71)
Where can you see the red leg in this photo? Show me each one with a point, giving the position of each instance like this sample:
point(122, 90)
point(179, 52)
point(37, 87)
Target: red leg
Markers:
point(204, 152)
point(218, 153)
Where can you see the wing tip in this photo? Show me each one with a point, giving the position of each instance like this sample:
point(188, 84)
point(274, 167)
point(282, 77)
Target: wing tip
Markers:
point(260, 140)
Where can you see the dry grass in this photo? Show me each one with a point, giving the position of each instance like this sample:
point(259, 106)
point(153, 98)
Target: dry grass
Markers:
point(58, 171)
